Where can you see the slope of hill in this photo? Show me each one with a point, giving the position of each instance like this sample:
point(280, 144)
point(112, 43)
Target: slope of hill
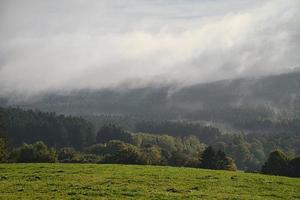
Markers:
point(224, 100)
point(91, 181)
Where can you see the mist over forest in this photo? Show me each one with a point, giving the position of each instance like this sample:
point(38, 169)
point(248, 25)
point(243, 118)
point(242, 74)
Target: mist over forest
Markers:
point(204, 84)
point(274, 94)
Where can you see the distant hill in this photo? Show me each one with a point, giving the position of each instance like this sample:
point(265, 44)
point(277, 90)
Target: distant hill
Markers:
point(264, 96)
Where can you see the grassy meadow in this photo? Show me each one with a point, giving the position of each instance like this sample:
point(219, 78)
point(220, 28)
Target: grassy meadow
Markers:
point(105, 181)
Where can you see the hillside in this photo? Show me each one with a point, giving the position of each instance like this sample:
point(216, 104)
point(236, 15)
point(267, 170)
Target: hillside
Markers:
point(91, 181)
point(203, 101)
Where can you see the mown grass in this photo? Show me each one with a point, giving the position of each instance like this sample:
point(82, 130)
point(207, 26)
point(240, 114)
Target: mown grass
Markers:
point(99, 181)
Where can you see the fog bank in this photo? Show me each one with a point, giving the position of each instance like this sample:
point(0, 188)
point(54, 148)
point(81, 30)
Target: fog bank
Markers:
point(58, 44)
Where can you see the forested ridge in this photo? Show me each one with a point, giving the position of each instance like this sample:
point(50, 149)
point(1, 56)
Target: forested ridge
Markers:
point(222, 101)
point(55, 130)
point(159, 142)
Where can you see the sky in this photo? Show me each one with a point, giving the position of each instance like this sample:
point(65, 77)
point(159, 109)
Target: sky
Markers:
point(77, 44)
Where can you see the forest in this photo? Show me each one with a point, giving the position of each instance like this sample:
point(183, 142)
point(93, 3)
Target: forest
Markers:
point(35, 136)
point(150, 99)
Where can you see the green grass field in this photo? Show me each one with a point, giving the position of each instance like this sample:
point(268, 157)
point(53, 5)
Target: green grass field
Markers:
point(99, 181)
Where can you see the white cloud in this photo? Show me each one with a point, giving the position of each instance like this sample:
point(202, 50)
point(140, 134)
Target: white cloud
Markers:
point(73, 45)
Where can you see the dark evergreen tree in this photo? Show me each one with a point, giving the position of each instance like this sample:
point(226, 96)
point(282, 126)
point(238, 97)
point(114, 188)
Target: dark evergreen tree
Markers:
point(294, 167)
point(211, 159)
point(276, 164)
point(3, 138)
point(221, 160)
point(208, 158)
point(112, 132)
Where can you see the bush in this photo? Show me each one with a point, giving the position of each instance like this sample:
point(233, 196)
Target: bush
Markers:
point(70, 155)
point(98, 149)
point(66, 154)
point(229, 164)
point(183, 159)
point(30, 153)
point(86, 158)
point(151, 155)
point(120, 152)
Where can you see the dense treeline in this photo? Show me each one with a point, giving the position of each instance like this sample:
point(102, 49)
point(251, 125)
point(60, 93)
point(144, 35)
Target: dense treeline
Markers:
point(232, 114)
point(112, 144)
point(207, 134)
point(55, 130)
point(248, 150)
point(269, 125)
point(177, 143)
point(116, 151)
point(154, 149)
